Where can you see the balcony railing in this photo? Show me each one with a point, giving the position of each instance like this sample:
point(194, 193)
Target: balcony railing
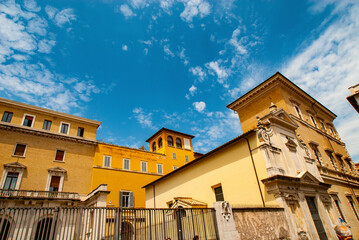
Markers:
point(31, 194)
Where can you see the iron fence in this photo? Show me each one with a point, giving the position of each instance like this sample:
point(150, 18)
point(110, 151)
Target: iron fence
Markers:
point(107, 223)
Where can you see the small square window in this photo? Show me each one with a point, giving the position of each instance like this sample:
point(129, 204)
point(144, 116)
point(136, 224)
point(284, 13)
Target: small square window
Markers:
point(126, 164)
point(159, 169)
point(7, 117)
point(143, 166)
point(60, 155)
point(174, 156)
point(28, 120)
point(47, 125)
point(80, 132)
point(187, 159)
point(107, 161)
point(64, 128)
point(20, 150)
point(219, 194)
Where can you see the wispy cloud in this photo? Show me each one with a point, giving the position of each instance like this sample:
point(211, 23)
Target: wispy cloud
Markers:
point(221, 72)
point(195, 8)
point(198, 72)
point(125, 10)
point(143, 118)
point(65, 16)
point(167, 50)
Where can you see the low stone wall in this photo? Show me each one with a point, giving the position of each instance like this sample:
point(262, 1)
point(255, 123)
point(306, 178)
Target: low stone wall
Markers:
point(261, 223)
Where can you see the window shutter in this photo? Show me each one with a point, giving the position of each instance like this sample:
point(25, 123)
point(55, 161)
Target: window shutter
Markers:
point(120, 204)
point(132, 200)
point(187, 144)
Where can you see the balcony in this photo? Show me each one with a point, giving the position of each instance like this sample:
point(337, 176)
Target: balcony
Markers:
point(31, 194)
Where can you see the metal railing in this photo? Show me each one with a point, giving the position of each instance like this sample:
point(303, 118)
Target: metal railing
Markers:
point(107, 223)
point(4, 193)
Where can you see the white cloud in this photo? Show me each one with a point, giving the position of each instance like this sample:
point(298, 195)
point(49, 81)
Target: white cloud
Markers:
point(328, 66)
point(192, 90)
point(237, 43)
point(144, 119)
point(124, 47)
point(51, 11)
point(183, 56)
point(168, 51)
point(31, 5)
point(139, 3)
point(166, 4)
point(126, 11)
point(221, 72)
point(195, 8)
point(198, 71)
point(45, 45)
point(199, 106)
point(60, 17)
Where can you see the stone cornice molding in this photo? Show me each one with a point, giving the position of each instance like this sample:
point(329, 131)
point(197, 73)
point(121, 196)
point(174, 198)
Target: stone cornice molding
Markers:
point(44, 133)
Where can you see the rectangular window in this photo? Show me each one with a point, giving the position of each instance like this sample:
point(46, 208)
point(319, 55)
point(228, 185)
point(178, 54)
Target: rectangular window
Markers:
point(159, 168)
point(107, 161)
point(64, 128)
point(175, 167)
point(322, 125)
point(174, 156)
point(337, 205)
point(313, 120)
point(126, 164)
point(143, 166)
point(350, 199)
point(60, 155)
point(299, 113)
point(55, 183)
point(187, 144)
point(126, 199)
point(187, 159)
point(28, 121)
point(20, 150)
point(317, 154)
point(80, 132)
point(7, 117)
point(10, 181)
point(332, 160)
point(219, 193)
point(47, 125)
point(332, 130)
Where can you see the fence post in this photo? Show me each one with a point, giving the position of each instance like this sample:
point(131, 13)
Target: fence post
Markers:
point(225, 221)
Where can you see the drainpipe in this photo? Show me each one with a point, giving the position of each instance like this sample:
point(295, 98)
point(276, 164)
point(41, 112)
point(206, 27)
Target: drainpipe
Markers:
point(255, 171)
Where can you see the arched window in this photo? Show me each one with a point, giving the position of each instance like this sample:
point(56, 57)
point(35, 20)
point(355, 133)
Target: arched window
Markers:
point(170, 141)
point(154, 146)
point(160, 143)
point(178, 143)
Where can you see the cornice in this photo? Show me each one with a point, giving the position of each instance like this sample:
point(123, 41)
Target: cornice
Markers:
point(43, 133)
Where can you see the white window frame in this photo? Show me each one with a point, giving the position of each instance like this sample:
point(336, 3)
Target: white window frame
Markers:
point(322, 125)
point(104, 160)
point(57, 174)
point(30, 115)
point(159, 165)
point(332, 131)
point(145, 164)
point(12, 169)
point(123, 163)
point(13, 154)
point(298, 111)
point(312, 118)
point(68, 130)
point(174, 156)
point(131, 198)
point(63, 159)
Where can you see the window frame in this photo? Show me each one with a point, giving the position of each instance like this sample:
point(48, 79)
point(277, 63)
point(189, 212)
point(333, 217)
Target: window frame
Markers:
point(24, 117)
point(7, 176)
point(317, 153)
point(46, 121)
point(78, 131)
point(154, 147)
point(332, 159)
point(22, 156)
point(55, 174)
point(104, 161)
point(144, 163)
point(8, 169)
point(129, 163)
point(63, 158)
point(322, 125)
point(186, 158)
point(337, 204)
point(298, 110)
point(217, 195)
point(160, 143)
point(68, 129)
point(178, 143)
point(159, 165)
point(170, 143)
point(352, 204)
point(174, 156)
point(3, 116)
point(130, 201)
point(314, 122)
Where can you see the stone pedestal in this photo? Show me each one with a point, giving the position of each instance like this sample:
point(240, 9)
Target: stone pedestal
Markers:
point(225, 222)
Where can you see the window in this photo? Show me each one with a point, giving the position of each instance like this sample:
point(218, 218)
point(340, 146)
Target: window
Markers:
point(60, 155)
point(107, 161)
point(187, 144)
point(218, 193)
point(20, 150)
point(187, 159)
point(126, 199)
point(332, 160)
point(337, 205)
point(154, 146)
point(47, 125)
point(54, 184)
point(313, 121)
point(160, 142)
point(126, 164)
point(178, 143)
point(28, 120)
point(159, 168)
point(174, 156)
point(7, 117)
point(175, 167)
point(64, 128)
point(351, 165)
point(350, 199)
point(297, 109)
point(322, 125)
point(80, 131)
point(143, 166)
point(10, 181)
point(341, 162)
point(332, 131)
point(317, 154)
point(170, 141)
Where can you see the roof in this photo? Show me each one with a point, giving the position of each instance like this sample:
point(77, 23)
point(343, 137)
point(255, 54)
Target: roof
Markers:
point(351, 99)
point(202, 157)
point(48, 112)
point(168, 130)
point(269, 81)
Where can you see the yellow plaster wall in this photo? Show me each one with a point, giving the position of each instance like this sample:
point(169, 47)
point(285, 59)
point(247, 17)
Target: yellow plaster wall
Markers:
point(39, 157)
point(231, 167)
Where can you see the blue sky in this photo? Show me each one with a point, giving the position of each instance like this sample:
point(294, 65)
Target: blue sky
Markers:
point(139, 65)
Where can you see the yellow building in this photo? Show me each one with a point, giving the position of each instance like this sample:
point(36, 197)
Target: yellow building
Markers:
point(126, 170)
point(46, 157)
point(289, 156)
